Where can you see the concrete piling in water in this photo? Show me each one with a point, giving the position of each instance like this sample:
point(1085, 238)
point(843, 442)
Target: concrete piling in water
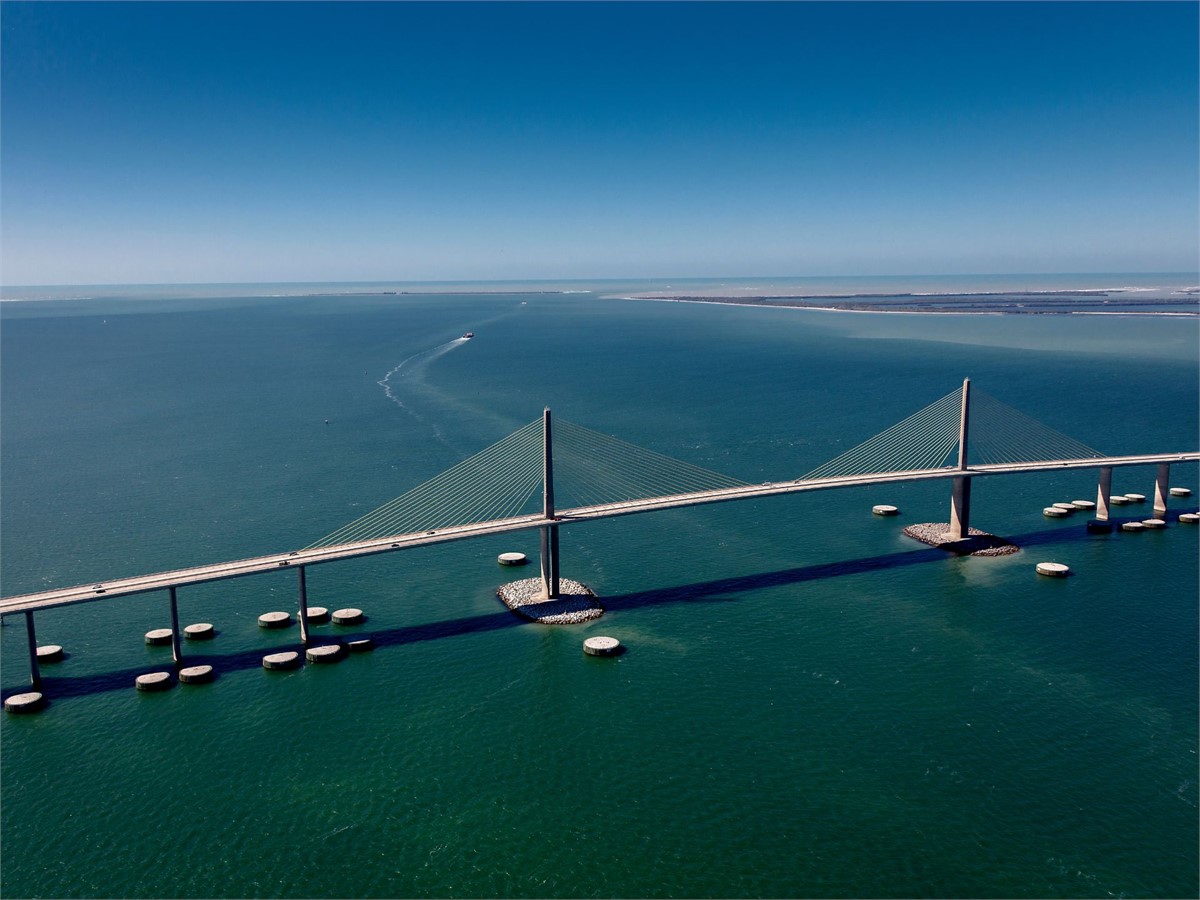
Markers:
point(288, 659)
point(601, 646)
point(196, 674)
point(153, 681)
point(324, 653)
point(30, 701)
point(49, 653)
point(1053, 569)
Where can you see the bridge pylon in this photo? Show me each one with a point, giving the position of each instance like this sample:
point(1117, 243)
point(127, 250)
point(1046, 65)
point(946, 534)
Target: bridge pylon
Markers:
point(960, 494)
point(1162, 479)
point(1104, 493)
point(550, 579)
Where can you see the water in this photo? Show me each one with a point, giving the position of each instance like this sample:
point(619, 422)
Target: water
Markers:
point(811, 704)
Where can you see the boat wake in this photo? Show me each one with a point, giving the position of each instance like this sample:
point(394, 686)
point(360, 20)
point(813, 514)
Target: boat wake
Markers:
point(414, 368)
point(405, 384)
point(410, 373)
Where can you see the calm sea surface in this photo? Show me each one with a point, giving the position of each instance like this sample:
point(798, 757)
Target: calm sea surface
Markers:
point(811, 704)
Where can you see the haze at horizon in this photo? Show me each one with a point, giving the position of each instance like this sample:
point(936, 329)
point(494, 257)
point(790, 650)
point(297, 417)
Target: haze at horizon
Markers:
point(353, 142)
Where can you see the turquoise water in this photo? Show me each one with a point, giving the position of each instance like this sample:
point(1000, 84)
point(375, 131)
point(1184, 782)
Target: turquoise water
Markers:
point(811, 703)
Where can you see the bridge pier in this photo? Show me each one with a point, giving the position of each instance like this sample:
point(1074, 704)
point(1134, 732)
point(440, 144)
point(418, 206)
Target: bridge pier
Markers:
point(176, 652)
point(1103, 493)
point(35, 674)
point(550, 579)
point(303, 586)
point(960, 508)
point(1162, 479)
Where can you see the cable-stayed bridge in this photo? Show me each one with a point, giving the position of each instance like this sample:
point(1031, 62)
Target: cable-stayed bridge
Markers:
point(549, 474)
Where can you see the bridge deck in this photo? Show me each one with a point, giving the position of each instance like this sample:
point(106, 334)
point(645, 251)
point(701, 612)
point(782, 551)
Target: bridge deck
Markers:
point(140, 584)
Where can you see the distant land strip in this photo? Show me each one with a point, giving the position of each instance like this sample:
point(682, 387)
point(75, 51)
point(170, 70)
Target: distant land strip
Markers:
point(447, 291)
point(1027, 303)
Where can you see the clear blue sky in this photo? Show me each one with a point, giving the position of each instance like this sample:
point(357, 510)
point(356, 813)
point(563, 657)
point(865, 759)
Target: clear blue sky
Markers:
point(150, 142)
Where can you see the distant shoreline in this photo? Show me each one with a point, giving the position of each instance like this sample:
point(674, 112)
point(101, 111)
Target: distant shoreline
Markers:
point(302, 296)
point(1158, 294)
point(1014, 303)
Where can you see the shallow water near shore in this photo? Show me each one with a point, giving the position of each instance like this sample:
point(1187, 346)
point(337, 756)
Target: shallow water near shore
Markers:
point(811, 704)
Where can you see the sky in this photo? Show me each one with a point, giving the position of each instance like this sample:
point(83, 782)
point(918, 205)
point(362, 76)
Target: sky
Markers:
point(234, 142)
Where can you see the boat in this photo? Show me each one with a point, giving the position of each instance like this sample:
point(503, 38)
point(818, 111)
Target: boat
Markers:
point(468, 335)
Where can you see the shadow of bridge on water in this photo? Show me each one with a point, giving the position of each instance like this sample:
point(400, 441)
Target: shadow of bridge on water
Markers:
point(55, 687)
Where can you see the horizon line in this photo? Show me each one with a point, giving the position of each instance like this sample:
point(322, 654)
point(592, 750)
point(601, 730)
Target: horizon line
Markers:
point(542, 280)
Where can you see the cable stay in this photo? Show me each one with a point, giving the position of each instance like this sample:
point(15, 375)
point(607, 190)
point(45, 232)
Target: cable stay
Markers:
point(1002, 434)
point(504, 480)
point(924, 440)
point(592, 468)
point(496, 483)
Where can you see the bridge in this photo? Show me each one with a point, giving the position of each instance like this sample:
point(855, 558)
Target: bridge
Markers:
point(962, 436)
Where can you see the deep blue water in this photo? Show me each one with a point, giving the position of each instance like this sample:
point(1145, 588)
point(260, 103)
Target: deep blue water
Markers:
point(811, 704)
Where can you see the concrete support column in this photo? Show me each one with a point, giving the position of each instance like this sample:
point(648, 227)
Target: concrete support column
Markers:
point(1162, 479)
point(960, 495)
point(550, 560)
point(176, 652)
point(35, 674)
point(1103, 493)
point(303, 606)
point(549, 531)
point(960, 508)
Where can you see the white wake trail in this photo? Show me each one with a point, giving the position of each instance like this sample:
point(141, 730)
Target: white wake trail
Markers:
point(415, 365)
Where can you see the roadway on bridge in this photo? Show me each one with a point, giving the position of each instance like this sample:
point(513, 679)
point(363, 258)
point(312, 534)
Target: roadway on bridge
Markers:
point(140, 584)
